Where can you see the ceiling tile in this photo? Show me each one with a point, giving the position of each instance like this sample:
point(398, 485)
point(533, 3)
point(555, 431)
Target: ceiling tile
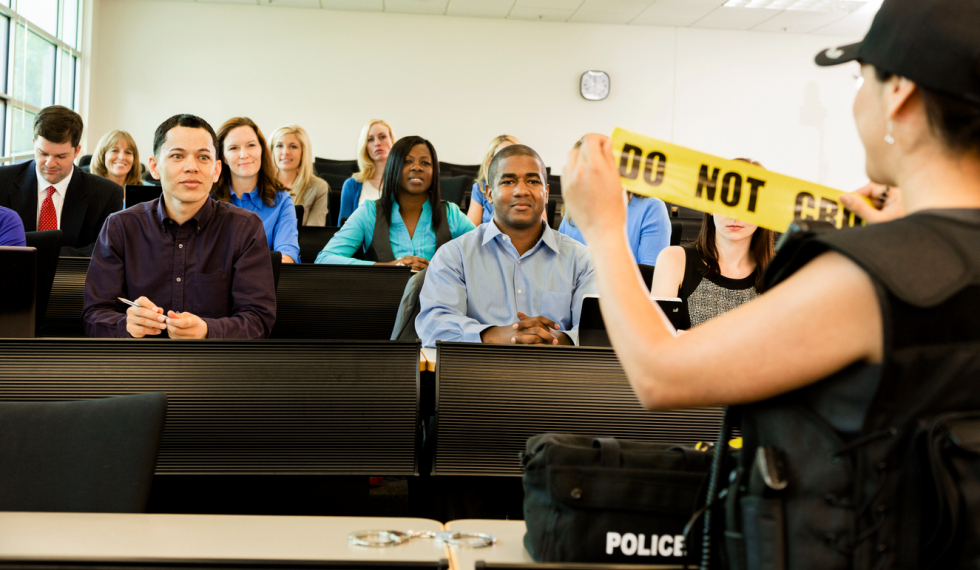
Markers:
point(540, 14)
point(855, 24)
point(680, 13)
point(610, 11)
point(354, 5)
point(480, 8)
point(798, 21)
point(291, 3)
point(416, 6)
point(736, 18)
point(551, 4)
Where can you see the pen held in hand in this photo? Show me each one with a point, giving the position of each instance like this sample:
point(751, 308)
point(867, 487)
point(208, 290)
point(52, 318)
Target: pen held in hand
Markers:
point(132, 304)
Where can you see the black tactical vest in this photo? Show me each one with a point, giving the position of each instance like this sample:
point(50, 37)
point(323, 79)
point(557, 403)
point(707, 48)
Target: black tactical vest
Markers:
point(380, 250)
point(877, 473)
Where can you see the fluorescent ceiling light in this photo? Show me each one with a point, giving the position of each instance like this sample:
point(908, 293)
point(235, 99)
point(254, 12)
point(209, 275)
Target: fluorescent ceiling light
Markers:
point(839, 6)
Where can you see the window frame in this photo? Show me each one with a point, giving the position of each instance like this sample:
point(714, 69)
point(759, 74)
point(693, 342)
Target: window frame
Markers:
point(13, 50)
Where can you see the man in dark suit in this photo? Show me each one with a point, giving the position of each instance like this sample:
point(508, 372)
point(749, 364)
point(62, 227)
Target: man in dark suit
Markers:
point(49, 192)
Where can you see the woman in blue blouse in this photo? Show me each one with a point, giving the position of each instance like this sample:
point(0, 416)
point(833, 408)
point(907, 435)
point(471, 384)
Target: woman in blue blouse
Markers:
point(373, 147)
point(481, 209)
point(249, 181)
point(647, 227)
point(410, 209)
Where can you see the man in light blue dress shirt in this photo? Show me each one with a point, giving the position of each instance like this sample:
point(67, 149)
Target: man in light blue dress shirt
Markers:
point(513, 280)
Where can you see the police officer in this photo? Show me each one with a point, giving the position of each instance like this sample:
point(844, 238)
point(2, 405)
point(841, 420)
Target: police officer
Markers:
point(868, 336)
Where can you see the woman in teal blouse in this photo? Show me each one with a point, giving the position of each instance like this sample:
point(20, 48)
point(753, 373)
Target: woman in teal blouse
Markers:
point(410, 208)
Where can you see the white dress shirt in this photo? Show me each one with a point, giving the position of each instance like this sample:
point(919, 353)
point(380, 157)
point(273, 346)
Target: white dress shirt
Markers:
point(58, 198)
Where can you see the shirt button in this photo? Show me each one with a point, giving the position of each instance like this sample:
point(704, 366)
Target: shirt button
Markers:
point(178, 281)
point(518, 291)
point(518, 261)
point(181, 246)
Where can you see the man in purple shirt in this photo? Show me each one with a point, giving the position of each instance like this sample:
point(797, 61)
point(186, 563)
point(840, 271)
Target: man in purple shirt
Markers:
point(206, 261)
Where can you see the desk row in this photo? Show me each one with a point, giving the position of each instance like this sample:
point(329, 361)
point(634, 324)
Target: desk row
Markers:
point(321, 407)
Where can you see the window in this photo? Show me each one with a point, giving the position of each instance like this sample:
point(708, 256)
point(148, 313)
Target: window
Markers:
point(39, 63)
point(42, 13)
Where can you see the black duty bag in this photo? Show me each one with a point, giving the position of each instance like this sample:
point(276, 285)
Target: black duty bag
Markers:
point(605, 500)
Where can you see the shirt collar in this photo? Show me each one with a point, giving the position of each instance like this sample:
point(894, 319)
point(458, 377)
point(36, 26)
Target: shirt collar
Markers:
point(253, 196)
point(201, 218)
point(547, 236)
point(43, 185)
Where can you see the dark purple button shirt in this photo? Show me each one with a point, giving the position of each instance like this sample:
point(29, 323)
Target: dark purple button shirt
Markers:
point(216, 266)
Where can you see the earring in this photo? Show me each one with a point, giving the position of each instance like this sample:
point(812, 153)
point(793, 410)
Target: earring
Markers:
point(888, 134)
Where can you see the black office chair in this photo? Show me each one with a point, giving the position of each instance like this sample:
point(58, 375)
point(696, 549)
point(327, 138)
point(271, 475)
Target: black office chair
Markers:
point(550, 211)
point(333, 199)
point(454, 188)
point(85, 163)
point(647, 272)
point(299, 215)
point(277, 266)
point(148, 179)
point(48, 246)
point(312, 240)
point(87, 456)
point(554, 185)
point(342, 168)
point(676, 230)
point(448, 169)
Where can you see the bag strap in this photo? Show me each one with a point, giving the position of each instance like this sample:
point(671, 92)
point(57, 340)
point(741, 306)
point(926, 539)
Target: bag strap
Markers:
point(609, 454)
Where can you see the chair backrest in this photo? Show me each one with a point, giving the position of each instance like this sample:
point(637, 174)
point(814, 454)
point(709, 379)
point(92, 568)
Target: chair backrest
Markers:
point(241, 407)
point(454, 188)
point(554, 185)
point(299, 216)
point(647, 272)
point(48, 246)
point(447, 169)
point(148, 179)
point(409, 309)
point(312, 240)
point(335, 167)
point(338, 301)
point(333, 197)
point(63, 316)
point(491, 398)
point(18, 275)
point(137, 194)
point(276, 266)
point(550, 211)
point(88, 456)
point(85, 160)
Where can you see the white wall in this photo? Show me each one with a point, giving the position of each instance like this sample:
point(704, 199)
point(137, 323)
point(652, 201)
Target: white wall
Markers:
point(461, 81)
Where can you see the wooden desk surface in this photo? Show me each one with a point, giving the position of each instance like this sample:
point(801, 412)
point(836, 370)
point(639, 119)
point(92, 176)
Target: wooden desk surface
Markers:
point(508, 548)
point(105, 536)
point(429, 354)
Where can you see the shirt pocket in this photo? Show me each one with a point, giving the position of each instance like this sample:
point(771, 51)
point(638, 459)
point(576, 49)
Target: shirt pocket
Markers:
point(557, 307)
point(209, 294)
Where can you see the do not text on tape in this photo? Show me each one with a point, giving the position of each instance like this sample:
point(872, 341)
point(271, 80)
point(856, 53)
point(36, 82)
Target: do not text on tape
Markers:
point(733, 188)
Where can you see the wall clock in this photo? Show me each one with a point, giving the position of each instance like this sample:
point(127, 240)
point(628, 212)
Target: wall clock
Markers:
point(594, 85)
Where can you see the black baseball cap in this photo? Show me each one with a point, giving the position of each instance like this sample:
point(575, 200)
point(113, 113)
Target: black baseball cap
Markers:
point(935, 43)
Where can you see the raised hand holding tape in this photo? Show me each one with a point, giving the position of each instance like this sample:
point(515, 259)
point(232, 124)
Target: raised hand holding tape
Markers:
point(740, 190)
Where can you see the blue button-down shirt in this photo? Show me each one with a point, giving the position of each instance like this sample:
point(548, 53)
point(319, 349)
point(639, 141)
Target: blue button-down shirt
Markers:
point(647, 228)
point(358, 233)
point(279, 220)
point(479, 281)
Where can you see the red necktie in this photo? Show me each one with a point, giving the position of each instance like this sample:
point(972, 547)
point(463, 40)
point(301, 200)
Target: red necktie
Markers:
point(49, 219)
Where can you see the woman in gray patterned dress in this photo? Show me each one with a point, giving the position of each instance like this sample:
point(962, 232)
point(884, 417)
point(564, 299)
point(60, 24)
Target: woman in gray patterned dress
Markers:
point(721, 270)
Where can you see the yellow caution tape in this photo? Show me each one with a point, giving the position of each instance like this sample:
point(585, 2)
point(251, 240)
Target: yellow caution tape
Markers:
point(733, 188)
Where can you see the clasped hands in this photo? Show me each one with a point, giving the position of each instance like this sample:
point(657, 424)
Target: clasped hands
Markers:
point(149, 320)
point(527, 330)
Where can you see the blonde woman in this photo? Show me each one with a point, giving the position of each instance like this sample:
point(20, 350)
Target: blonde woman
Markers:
point(290, 147)
point(117, 159)
point(481, 208)
point(373, 147)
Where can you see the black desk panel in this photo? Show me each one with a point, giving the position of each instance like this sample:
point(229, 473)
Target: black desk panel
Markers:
point(243, 407)
point(491, 398)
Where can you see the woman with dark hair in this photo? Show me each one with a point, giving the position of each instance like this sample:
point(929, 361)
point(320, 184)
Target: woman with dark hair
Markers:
point(721, 270)
point(855, 373)
point(248, 180)
point(408, 222)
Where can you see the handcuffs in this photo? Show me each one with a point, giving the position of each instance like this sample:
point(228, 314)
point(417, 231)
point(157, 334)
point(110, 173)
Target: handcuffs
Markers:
point(384, 538)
